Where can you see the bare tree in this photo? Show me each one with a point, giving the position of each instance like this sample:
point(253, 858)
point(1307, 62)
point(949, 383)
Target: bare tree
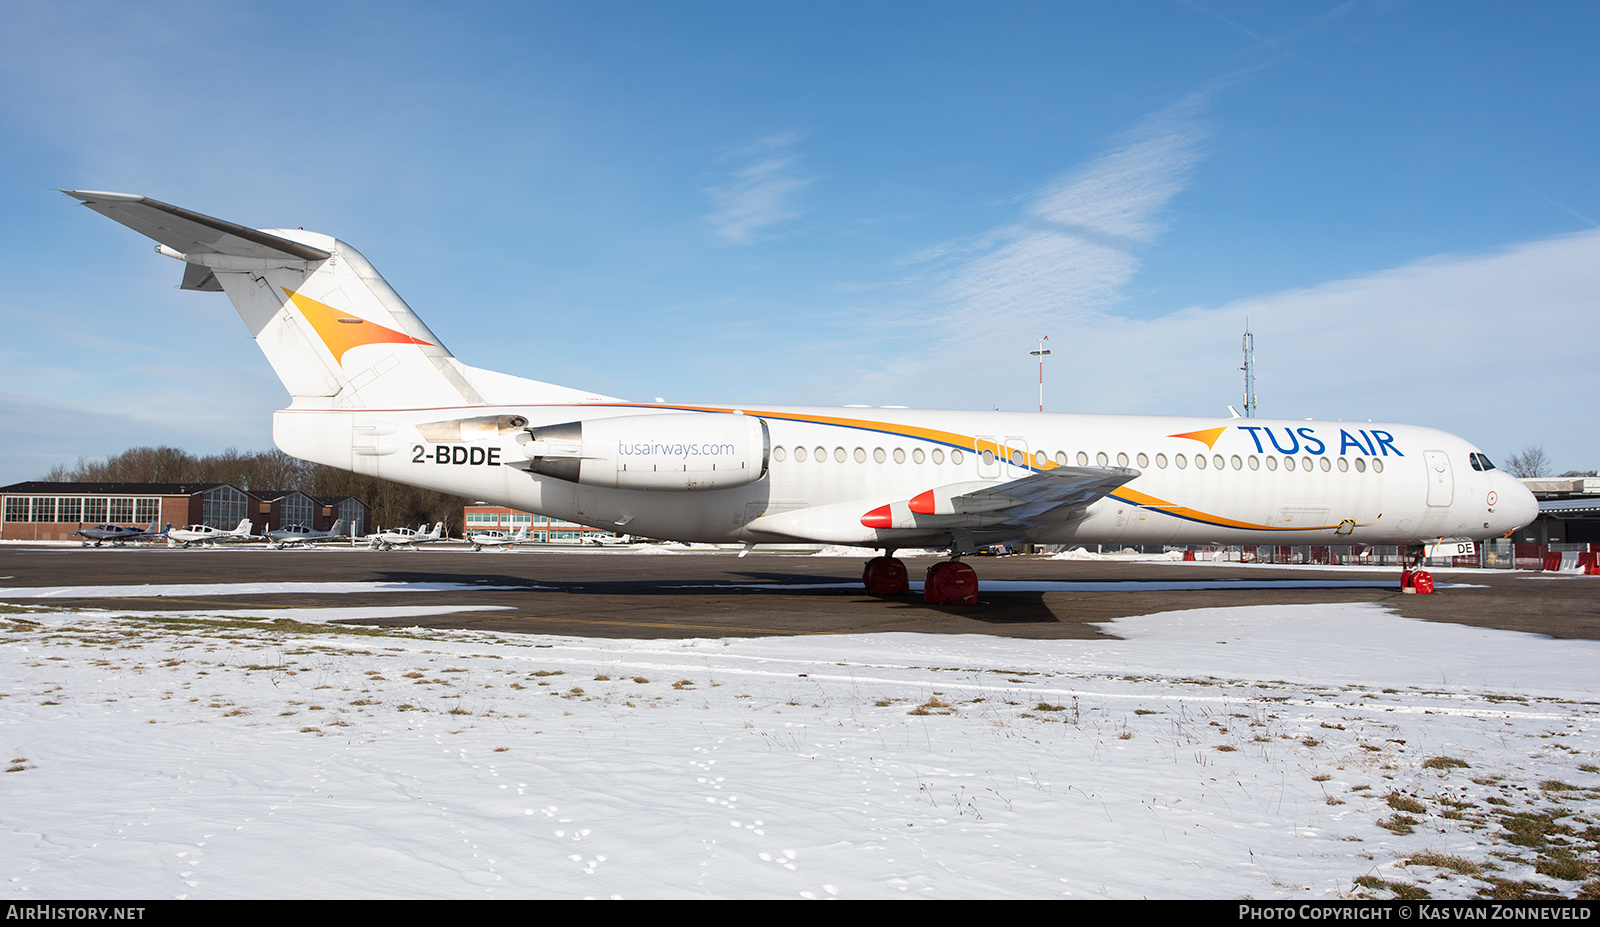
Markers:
point(1532, 462)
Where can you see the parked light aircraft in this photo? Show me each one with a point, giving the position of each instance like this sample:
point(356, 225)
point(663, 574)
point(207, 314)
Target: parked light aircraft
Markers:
point(373, 390)
point(482, 539)
point(205, 534)
point(301, 534)
point(118, 534)
point(405, 537)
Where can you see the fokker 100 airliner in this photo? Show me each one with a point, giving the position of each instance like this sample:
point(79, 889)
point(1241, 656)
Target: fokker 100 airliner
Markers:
point(374, 391)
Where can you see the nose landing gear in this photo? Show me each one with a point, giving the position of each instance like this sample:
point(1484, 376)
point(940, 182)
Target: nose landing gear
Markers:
point(1412, 579)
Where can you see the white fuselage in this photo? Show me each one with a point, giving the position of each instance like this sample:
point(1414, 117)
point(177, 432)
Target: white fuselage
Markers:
point(1262, 481)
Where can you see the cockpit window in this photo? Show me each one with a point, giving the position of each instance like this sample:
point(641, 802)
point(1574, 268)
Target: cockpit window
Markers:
point(1481, 462)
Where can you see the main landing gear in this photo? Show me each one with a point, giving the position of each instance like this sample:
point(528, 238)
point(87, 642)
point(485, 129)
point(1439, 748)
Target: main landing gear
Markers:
point(886, 576)
point(949, 582)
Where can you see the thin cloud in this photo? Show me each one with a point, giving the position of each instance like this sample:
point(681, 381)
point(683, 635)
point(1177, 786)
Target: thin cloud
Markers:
point(1451, 339)
point(761, 194)
point(1122, 193)
point(1072, 254)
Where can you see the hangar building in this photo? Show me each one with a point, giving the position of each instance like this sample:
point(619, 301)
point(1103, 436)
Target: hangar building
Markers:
point(44, 511)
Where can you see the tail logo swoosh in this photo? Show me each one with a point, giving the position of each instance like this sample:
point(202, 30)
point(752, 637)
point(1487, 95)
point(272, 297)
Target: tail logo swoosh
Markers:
point(341, 331)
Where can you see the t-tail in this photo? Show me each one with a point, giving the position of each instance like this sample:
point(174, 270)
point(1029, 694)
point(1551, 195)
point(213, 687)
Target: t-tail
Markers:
point(338, 336)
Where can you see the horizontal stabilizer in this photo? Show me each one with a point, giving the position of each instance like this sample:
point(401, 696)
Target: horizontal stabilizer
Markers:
point(192, 233)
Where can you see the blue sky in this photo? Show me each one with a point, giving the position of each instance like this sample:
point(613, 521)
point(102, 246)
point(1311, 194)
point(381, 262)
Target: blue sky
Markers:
point(825, 203)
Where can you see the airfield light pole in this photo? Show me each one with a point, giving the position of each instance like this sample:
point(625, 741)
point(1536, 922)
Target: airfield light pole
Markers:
point(1041, 354)
point(1249, 369)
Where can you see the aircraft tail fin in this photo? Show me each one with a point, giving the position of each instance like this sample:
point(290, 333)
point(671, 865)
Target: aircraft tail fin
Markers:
point(335, 332)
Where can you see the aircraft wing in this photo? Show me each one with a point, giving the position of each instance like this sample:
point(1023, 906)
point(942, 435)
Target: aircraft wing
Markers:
point(1021, 507)
point(1026, 499)
point(191, 232)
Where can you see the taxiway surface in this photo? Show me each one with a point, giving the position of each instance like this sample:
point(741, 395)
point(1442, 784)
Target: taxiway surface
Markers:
point(623, 594)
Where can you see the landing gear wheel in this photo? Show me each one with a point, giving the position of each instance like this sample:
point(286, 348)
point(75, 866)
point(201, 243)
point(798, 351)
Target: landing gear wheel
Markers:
point(1413, 578)
point(951, 583)
point(885, 576)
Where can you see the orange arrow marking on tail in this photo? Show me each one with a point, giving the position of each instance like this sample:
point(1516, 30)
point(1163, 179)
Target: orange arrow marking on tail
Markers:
point(341, 331)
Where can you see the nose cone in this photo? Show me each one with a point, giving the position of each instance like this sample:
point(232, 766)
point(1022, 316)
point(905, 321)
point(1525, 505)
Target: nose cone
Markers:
point(1517, 506)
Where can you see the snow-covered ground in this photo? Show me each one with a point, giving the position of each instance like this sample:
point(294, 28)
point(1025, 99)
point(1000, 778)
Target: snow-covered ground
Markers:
point(1304, 752)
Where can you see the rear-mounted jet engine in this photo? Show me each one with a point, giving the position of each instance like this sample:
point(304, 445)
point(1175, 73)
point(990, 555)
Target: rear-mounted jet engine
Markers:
point(674, 452)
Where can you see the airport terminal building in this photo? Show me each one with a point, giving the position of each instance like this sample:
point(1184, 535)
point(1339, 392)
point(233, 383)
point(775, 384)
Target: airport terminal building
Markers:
point(541, 529)
point(44, 511)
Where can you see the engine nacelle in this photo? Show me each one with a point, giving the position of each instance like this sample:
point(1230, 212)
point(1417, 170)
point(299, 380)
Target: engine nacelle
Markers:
point(675, 451)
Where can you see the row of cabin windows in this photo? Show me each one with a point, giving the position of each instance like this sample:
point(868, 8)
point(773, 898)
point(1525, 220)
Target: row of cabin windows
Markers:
point(878, 454)
point(1101, 459)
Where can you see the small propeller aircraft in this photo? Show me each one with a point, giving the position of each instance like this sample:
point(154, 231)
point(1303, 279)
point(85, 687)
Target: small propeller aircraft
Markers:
point(496, 538)
point(190, 535)
point(118, 534)
point(405, 537)
point(290, 535)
